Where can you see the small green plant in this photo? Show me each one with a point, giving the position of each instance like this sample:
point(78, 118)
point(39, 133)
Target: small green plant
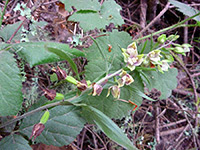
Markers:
point(117, 71)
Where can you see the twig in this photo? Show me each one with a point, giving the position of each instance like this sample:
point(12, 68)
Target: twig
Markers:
point(186, 32)
point(182, 133)
point(101, 3)
point(83, 137)
point(153, 21)
point(131, 21)
point(196, 75)
point(173, 27)
point(157, 123)
point(143, 12)
point(196, 141)
point(142, 122)
point(97, 136)
point(173, 123)
point(2, 15)
point(183, 92)
point(47, 3)
point(163, 133)
point(192, 82)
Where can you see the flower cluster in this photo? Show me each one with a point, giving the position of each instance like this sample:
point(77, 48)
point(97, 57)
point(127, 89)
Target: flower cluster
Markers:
point(153, 58)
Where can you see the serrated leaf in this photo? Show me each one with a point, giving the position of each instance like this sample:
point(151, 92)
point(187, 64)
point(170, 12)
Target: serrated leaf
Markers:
point(81, 4)
point(109, 13)
point(14, 142)
point(10, 85)
point(8, 30)
point(164, 82)
point(109, 127)
point(185, 9)
point(35, 53)
point(65, 56)
point(63, 126)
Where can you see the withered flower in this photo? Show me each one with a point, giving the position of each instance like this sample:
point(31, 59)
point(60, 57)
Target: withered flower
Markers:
point(115, 90)
point(50, 94)
point(37, 130)
point(61, 74)
point(97, 89)
point(82, 85)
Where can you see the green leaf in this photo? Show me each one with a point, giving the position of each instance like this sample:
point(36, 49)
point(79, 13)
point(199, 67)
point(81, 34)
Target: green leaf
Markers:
point(63, 126)
point(164, 82)
point(10, 85)
point(82, 5)
point(14, 142)
point(35, 53)
point(97, 64)
point(185, 9)
point(8, 31)
point(109, 13)
point(65, 56)
point(109, 127)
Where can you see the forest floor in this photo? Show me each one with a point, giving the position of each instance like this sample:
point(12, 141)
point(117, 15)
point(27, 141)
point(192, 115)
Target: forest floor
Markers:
point(147, 126)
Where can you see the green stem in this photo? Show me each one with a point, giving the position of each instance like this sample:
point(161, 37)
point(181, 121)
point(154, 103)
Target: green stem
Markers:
point(180, 24)
point(5, 6)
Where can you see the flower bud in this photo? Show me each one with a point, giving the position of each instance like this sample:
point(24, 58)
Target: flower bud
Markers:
point(37, 130)
point(61, 74)
point(45, 117)
point(71, 80)
point(186, 47)
point(173, 37)
point(50, 94)
point(179, 50)
point(82, 85)
point(59, 96)
point(162, 38)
